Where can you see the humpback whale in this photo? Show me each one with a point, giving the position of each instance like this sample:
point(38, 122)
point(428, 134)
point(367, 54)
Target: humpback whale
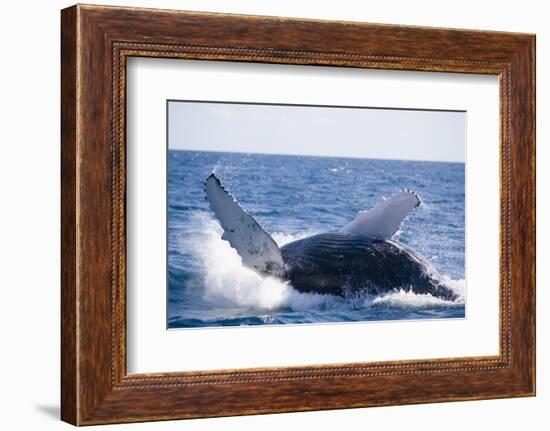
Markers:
point(360, 258)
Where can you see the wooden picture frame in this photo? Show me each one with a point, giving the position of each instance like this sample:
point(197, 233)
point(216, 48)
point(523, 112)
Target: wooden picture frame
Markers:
point(95, 43)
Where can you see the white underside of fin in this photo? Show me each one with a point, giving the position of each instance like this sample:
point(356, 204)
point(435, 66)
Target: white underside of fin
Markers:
point(255, 246)
point(384, 219)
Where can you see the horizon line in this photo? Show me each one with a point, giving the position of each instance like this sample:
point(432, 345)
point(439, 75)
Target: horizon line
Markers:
point(319, 155)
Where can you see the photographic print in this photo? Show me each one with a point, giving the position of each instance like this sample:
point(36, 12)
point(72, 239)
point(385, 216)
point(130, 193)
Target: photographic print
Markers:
point(308, 214)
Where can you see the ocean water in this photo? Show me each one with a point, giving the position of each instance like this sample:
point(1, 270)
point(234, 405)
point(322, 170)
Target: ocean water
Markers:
point(293, 197)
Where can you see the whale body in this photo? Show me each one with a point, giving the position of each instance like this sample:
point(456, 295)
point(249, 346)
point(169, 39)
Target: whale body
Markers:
point(359, 258)
point(347, 264)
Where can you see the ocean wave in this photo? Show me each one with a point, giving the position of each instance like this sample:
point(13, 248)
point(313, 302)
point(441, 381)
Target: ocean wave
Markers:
point(227, 283)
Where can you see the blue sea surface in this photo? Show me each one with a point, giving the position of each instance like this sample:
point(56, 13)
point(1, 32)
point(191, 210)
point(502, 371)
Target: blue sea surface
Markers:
point(293, 197)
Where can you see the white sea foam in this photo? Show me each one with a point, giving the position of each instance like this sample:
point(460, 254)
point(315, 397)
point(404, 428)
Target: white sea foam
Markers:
point(457, 286)
point(227, 283)
point(408, 299)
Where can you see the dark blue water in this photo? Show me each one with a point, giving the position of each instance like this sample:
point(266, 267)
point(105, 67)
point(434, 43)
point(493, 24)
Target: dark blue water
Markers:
point(293, 197)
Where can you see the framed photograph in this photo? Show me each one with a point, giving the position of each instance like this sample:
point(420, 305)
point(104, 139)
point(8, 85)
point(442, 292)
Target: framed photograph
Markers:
point(265, 214)
point(310, 169)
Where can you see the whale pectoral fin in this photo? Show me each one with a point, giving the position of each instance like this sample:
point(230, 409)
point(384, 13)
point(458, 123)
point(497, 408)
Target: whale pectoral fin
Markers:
point(255, 246)
point(384, 219)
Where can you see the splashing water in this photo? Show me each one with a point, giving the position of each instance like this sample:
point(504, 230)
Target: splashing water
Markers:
point(228, 283)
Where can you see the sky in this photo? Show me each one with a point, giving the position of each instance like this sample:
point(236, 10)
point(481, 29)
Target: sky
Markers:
point(318, 131)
